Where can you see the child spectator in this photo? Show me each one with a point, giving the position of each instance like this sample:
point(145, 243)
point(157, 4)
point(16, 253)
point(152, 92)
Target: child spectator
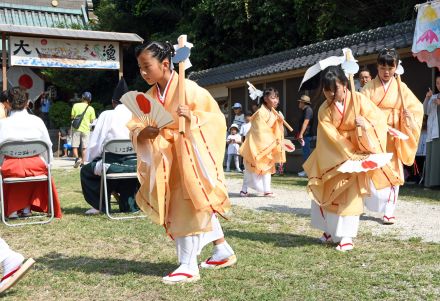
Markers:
point(66, 141)
point(246, 126)
point(238, 115)
point(233, 140)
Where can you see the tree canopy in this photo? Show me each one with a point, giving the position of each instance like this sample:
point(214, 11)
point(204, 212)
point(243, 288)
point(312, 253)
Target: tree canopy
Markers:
point(227, 31)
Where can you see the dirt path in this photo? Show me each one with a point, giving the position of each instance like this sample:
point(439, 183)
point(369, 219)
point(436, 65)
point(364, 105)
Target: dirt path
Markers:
point(414, 219)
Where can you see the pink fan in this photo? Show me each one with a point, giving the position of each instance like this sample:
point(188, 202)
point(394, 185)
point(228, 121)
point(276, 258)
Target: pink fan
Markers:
point(147, 109)
point(367, 163)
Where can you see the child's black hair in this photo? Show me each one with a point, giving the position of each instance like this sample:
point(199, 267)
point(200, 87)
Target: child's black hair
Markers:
point(158, 50)
point(388, 57)
point(268, 92)
point(330, 76)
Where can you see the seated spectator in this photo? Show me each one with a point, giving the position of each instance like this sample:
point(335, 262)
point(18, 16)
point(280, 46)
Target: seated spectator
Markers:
point(110, 125)
point(21, 126)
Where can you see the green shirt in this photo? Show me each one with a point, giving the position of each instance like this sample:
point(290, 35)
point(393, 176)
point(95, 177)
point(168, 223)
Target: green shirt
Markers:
point(89, 116)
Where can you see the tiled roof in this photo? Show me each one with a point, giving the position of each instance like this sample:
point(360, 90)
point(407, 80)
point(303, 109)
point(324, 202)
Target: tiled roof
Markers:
point(75, 4)
point(43, 16)
point(397, 36)
point(36, 31)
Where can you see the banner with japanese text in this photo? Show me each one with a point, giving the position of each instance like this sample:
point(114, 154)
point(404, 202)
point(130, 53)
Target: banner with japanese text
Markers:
point(63, 53)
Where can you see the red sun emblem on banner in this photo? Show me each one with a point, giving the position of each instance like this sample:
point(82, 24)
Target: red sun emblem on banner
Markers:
point(25, 81)
point(43, 42)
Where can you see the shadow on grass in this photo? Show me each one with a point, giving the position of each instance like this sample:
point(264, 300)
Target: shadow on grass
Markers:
point(300, 212)
point(250, 195)
point(74, 210)
point(284, 240)
point(108, 266)
point(371, 218)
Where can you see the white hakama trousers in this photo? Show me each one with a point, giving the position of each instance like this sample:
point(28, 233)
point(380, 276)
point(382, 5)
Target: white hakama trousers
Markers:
point(337, 226)
point(188, 247)
point(382, 200)
point(5, 251)
point(260, 183)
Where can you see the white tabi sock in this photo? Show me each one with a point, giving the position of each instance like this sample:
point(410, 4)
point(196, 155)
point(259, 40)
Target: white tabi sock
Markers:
point(222, 251)
point(187, 248)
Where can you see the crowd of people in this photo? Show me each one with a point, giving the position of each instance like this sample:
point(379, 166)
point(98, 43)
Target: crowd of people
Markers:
point(181, 184)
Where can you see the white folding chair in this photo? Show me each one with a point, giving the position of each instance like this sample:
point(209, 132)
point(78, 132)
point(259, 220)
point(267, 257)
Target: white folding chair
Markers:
point(119, 147)
point(20, 149)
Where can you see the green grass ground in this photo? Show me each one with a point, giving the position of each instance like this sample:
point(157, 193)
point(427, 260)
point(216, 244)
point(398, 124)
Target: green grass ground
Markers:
point(92, 258)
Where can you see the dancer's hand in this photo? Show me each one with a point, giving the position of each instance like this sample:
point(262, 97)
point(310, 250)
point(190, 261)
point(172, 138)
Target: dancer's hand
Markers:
point(360, 121)
point(148, 132)
point(406, 113)
point(183, 110)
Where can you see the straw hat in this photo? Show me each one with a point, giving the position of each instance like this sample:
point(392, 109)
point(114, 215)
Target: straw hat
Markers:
point(305, 99)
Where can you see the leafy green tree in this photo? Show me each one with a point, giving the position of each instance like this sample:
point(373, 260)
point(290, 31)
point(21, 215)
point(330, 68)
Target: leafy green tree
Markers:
point(59, 114)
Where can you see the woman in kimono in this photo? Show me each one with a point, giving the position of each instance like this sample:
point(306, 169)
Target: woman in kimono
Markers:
point(337, 197)
point(262, 147)
point(404, 112)
point(181, 175)
point(21, 126)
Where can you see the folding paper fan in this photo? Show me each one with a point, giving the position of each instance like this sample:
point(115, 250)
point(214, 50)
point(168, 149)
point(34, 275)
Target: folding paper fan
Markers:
point(397, 134)
point(147, 109)
point(288, 146)
point(365, 163)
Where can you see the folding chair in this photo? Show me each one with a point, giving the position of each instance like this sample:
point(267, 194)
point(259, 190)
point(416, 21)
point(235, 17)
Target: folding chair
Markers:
point(20, 149)
point(119, 147)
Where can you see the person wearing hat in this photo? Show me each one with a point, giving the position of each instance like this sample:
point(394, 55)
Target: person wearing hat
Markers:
point(81, 134)
point(238, 115)
point(110, 125)
point(234, 141)
point(305, 132)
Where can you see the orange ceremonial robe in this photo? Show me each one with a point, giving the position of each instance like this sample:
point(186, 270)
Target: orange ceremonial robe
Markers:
point(404, 151)
point(337, 141)
point(181, 176)
point(262, 147)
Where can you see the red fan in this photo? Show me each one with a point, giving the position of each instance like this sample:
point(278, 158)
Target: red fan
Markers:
point(366, 163)
point(288, 146)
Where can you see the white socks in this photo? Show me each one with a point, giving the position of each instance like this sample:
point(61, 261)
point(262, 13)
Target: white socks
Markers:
point(222, 251)
point(187, 247)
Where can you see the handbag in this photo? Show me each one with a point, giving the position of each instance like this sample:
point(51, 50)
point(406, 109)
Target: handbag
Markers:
point(76, 122)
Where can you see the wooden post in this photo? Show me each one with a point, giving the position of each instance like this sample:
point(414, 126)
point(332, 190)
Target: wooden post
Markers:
point(353, 95)
point(399, 84)
point(182, 41)
point(5, 79)
point(284, 120)
point(121, 62)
